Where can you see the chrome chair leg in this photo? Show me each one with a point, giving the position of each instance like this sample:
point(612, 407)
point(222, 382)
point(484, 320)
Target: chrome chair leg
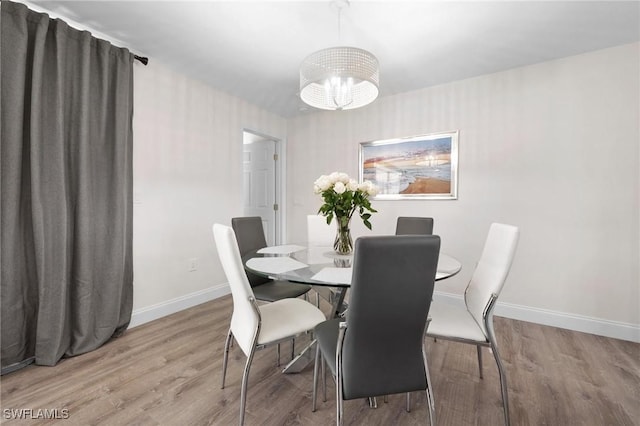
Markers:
point(494, 348)
point(226, 356)
point(479, 349)
point(385, 399)
point(323, 365)
point(432, 410)
point(339, 408)
point(373, 402)
point(503, 383)
point(408, 402)
point(293, 348)
point(430, 399)
point(316, 367)
point(245, 380)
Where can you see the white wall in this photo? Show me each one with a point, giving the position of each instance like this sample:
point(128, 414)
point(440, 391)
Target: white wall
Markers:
point(187, 175)
point(551, 148)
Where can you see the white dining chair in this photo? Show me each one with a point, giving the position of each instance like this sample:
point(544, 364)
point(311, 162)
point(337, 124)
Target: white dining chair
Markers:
point(473, 322)
point(253, 326)
point(319, 233)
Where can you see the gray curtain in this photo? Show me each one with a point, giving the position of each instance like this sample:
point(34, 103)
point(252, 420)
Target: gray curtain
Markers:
point(66, 181)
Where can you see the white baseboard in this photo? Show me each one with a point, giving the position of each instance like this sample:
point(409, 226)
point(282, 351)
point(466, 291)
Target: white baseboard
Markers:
point(601, 327)
point(150, 313)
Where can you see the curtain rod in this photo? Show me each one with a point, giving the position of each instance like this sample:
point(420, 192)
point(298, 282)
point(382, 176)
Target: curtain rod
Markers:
point(142, 59)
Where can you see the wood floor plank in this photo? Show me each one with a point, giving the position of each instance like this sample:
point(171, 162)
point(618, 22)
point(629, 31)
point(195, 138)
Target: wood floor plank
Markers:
point(168, 372)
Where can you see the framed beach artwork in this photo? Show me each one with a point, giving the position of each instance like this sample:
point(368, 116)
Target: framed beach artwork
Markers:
point(418, 167)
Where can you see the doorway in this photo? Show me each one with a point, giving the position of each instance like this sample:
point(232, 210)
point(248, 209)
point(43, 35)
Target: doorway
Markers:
point(261, 176)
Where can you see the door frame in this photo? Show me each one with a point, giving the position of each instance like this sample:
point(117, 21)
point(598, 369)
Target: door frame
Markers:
point(280, 172)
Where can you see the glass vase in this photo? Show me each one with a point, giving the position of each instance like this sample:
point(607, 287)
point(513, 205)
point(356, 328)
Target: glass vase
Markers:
point(343, 243)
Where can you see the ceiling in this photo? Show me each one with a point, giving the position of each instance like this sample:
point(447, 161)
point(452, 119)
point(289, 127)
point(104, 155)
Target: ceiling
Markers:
point(253, 49)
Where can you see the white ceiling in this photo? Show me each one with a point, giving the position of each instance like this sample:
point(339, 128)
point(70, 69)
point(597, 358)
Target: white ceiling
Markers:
point(252, 49)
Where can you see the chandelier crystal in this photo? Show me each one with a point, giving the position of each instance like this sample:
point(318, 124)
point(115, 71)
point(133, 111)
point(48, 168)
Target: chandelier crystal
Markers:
point(339, 78)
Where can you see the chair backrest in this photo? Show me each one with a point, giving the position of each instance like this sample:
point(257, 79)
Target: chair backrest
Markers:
point(414, 225)
point(250, 236)
point(391, 290)
point(492, 269)
point(244, 320)
point(319, 233)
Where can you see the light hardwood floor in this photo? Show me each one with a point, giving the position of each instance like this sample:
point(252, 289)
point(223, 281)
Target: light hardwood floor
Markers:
point(168, 372)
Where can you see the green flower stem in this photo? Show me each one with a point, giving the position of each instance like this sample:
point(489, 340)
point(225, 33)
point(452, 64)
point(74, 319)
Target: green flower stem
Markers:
point(345, 205)
point(343, 243)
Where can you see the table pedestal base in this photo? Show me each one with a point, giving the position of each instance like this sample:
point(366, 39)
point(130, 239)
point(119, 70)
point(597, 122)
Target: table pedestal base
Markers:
point(302, 360)
point(307, 355)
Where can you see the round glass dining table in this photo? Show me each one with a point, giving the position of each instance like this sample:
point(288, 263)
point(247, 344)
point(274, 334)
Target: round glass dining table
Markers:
point(320, 267)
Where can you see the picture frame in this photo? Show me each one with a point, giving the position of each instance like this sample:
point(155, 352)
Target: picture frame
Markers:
point(423, 167)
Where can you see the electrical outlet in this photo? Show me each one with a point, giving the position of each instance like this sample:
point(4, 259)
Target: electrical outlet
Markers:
point(193, 264)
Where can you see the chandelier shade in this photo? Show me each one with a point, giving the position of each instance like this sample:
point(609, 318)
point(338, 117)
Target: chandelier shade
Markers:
point(339, 78)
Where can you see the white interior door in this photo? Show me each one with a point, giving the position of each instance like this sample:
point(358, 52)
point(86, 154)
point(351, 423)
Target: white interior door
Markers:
point(259, 166)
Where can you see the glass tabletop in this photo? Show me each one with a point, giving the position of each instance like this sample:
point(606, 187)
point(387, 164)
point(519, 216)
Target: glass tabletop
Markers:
point(319, 265)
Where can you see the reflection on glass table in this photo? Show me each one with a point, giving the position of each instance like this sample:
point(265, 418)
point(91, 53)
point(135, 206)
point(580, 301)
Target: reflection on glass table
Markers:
point(319, 265)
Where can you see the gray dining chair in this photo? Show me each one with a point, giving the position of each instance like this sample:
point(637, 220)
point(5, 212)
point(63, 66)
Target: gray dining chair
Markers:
point(256, 327)
point(473, 323)
point(414, 225)
point(379, 349)
point(250, 236)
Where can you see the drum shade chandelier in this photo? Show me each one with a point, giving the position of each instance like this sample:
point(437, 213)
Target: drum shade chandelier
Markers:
point(339, 78)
